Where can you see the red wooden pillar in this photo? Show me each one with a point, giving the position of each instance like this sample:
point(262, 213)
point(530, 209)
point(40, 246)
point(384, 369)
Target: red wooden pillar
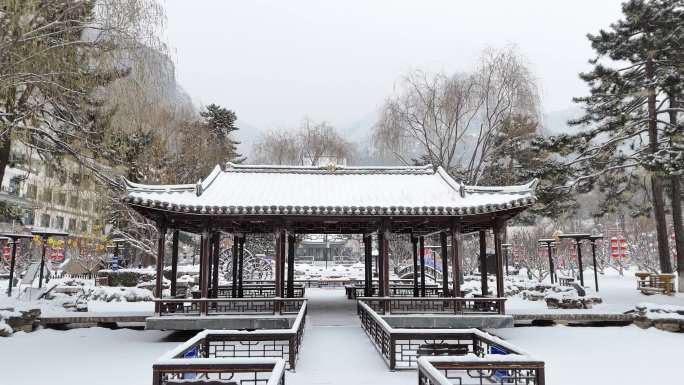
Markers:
point(278, 264)
point(385, 262)
point(204, 268)
point(241, 265)
point(215, 269)
point(499, 259)
point(161, 235)
point(483, 263)
point(235, 266)
point(445, 264)
point(290, 264)
point(456, 258)
point(414, 245)
point(381, 264)
point(174, 262)
point(421, 239)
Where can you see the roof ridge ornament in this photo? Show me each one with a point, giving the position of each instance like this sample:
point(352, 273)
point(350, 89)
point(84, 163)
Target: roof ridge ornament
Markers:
point(331, 167)
point(198, 188)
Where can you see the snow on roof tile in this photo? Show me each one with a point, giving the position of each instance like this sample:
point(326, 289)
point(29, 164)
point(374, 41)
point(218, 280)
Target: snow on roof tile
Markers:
point(330, 190)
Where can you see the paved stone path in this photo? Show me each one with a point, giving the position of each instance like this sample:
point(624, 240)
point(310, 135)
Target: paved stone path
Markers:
point(336, 350)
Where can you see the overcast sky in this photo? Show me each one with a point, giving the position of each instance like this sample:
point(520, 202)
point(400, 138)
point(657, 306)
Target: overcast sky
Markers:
point(274, 62)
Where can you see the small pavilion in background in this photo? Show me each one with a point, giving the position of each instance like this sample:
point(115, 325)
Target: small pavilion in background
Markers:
point(286, 201)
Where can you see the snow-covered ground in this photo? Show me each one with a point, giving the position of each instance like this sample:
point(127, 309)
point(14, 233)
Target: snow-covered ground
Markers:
point(336, 351)
point(602, 355)
point(618, 292)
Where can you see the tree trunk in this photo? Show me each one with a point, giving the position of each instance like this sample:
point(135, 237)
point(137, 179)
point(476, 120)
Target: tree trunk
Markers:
point(657, 180)
point(5, 149)
point(676, 202)
point(678, 227)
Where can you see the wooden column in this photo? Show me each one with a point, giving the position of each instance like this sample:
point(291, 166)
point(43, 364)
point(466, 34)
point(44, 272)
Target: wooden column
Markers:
point(12, 263)
point(385, 262)
point(290, 265)
point(174, 263)
point(498, 226)
point(422, 265)
point(210, 262)
point(368, 265)
point(283, 247)
point(241, 265)
point(234, 264)
point(278, 264)
point(414, 245)
point(483, 263)
point(204, 268)
point(215, 270)
point(201, 253)
point(445, 263)
point(161, 235)
point(455, 258)
point(381, 264)
point(42, 263)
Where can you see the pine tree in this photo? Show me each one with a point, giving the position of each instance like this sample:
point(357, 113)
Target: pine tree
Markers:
point(623, 110)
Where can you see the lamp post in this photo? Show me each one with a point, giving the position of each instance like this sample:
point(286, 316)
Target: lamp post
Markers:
point(550, 243)
point(578, 238)
point(593, 239)
point(44, 234)
point(15, 238)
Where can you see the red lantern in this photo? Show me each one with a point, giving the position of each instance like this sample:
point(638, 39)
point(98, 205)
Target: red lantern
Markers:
point(6, 251)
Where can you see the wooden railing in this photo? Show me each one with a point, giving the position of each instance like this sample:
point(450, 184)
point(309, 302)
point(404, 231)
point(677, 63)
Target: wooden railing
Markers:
point(228, 306)
point(401, 348)
point(401, 290)
point(446, 305)
point(258, 290)
point(238, 344)
point(186, 371)
point(492, 369)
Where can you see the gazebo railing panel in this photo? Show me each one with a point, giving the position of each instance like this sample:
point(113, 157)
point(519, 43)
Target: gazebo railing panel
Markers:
point(394, 290)
point(232, 345)
point(423, 305)
point(203, 371)
point(477, 371)
point(228, 306)
point(401, 348)
point(259, 290)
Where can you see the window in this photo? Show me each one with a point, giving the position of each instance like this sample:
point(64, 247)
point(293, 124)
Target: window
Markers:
point(72, 225)
point(59, 223)
point(45, 220)
point(73, 201)
point(47, 195)
point(31, 191)
point(84, 226)
point(61, 199)
point(28, 218)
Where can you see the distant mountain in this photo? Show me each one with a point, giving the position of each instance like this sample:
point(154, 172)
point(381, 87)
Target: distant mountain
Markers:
point(556, 122)
point(247, 135)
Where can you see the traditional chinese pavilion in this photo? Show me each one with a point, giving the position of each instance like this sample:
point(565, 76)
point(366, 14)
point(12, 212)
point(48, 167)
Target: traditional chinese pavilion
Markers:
point(286, 200)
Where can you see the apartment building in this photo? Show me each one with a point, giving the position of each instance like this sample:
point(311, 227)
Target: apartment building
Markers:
point(63, 197)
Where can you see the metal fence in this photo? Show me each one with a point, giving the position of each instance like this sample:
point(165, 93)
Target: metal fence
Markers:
point(401, 348)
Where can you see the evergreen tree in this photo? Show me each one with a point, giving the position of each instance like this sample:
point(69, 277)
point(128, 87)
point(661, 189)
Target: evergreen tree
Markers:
point(625, 129)
point(220, 123)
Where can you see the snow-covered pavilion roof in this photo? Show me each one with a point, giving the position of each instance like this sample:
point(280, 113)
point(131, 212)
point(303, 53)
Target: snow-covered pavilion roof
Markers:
point(331, 190)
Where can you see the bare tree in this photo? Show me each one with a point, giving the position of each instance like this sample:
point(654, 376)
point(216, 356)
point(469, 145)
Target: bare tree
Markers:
point(454, 121)
point(313, 143)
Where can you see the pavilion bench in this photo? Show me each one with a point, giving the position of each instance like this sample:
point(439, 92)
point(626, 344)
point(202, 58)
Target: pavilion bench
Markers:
point(655, 283)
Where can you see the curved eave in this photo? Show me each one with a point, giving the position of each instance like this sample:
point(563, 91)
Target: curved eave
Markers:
point(323, 211)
